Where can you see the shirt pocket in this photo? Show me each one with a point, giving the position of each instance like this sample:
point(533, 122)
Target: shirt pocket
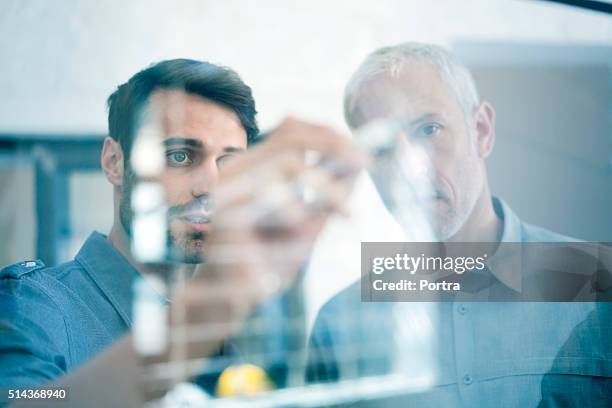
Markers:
point(584, 365)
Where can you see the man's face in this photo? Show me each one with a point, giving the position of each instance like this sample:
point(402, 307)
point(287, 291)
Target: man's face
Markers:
point(430, 117)
point(198, 136)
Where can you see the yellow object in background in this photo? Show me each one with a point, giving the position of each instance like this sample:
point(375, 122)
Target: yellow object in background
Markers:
point(243, 379)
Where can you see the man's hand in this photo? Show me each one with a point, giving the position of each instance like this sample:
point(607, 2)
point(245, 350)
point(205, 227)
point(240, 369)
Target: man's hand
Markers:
point(271, 204)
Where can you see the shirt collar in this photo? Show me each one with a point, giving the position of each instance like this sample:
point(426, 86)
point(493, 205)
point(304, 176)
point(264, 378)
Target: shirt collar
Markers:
point(511, 223)
point(506, 264)
point(113, 274)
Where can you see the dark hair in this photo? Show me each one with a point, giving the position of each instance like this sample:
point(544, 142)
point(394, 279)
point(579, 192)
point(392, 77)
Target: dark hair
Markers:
point(216, 83)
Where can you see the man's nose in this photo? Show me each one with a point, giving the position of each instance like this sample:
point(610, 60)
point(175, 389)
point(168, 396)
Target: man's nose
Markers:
point(205, 178)
point(416, 161)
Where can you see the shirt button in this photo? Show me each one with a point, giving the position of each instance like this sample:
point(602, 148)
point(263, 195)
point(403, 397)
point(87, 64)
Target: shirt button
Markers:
point(462, 309)
point(467, 379)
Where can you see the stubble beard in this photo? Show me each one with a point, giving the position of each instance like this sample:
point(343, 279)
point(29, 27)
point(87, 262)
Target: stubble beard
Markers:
point(182, 247)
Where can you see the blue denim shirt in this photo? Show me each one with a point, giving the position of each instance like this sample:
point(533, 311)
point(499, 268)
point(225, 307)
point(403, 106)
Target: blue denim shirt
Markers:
point(483, 354)
point(53, 319)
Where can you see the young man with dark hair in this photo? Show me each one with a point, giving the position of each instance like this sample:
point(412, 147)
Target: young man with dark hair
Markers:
point(182, 128)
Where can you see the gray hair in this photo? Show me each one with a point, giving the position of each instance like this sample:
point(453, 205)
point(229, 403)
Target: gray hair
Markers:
point(392, 60)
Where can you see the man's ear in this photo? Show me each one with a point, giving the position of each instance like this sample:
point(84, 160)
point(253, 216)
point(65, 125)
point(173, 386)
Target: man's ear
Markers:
point(484, 119)
point(112, 161)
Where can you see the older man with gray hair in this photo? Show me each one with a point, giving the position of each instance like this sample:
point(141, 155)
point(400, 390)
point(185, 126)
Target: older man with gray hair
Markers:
point(485, 353)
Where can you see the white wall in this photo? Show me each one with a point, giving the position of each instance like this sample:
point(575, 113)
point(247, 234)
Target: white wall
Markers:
point(61, 59)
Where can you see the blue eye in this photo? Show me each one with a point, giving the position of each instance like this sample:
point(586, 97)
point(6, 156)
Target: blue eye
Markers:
point(178, 158)
point(221, 161)
point(429, 130)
